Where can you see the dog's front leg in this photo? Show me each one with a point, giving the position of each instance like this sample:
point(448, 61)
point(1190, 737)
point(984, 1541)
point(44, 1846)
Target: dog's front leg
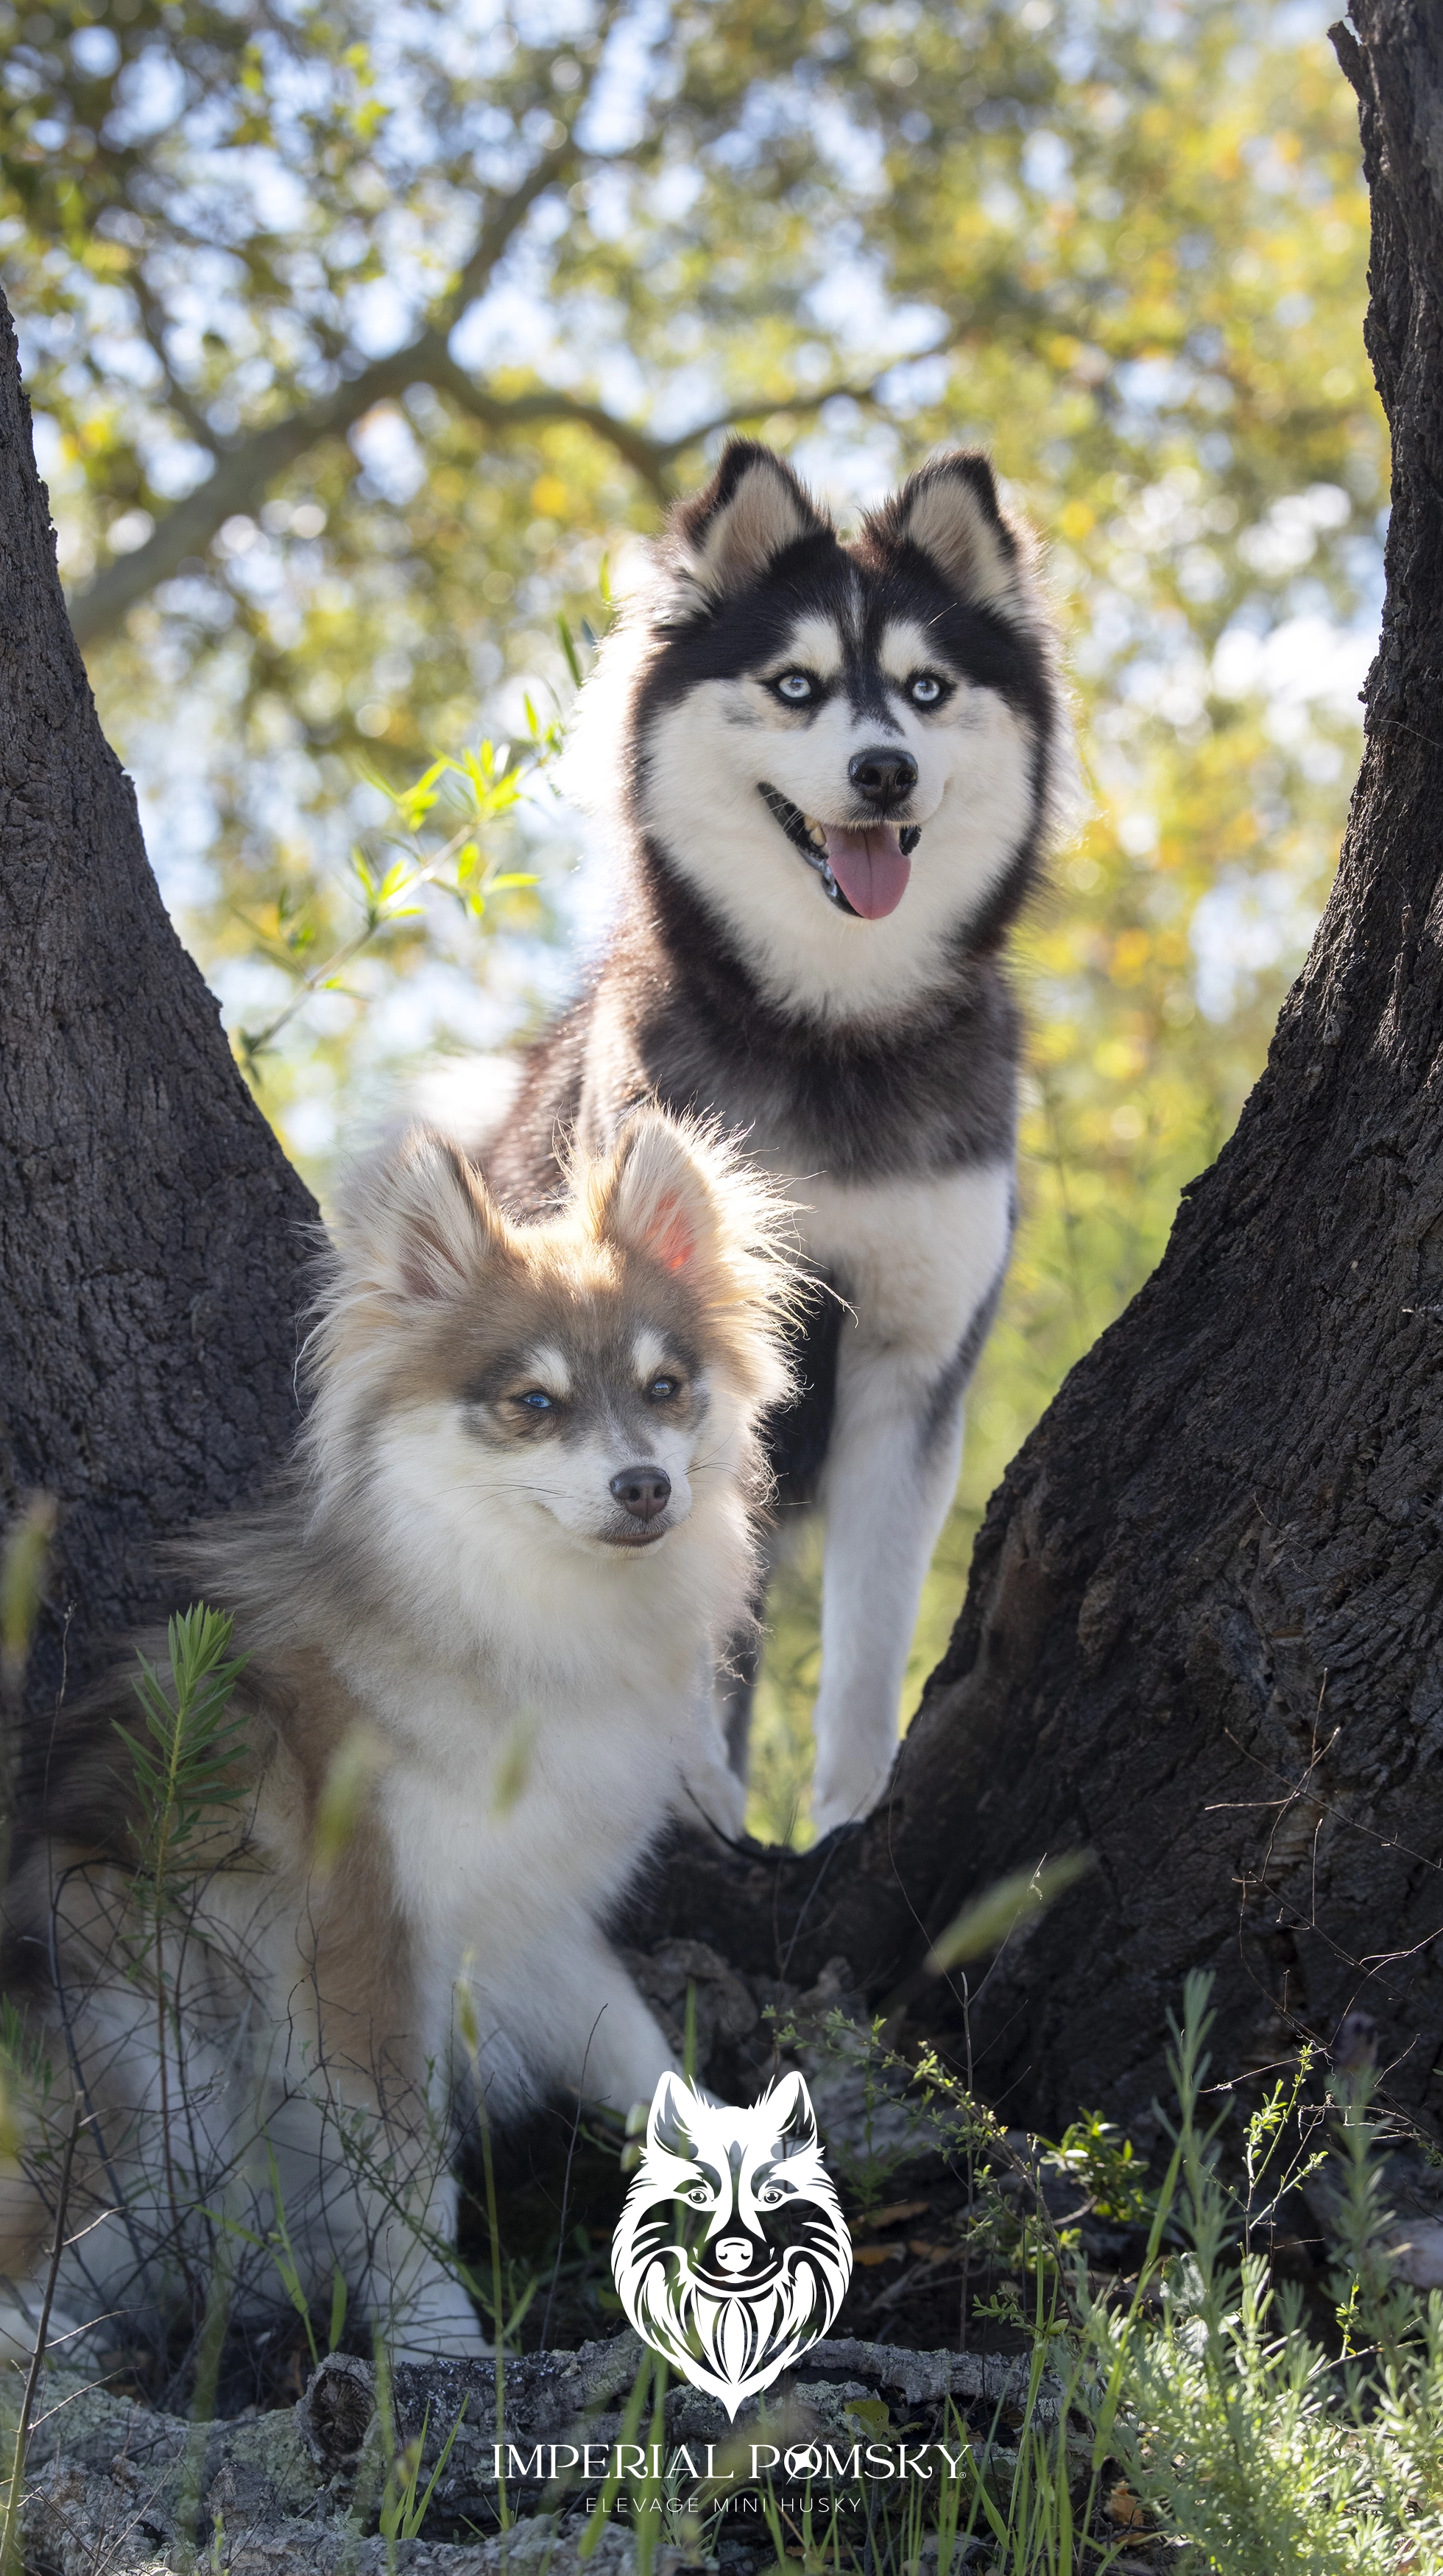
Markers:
point(411, 2287)
point(586, 2025)
point(710, 1792)
point(361, 2162)
point(890, 1477)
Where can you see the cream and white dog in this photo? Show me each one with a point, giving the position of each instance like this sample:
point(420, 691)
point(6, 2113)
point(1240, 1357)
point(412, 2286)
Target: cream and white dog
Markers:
point(521, 1524)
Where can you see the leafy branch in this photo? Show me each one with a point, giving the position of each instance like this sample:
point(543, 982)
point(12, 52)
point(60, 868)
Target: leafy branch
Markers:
point(491, 784)
point(187, 1768)
point(247, 470)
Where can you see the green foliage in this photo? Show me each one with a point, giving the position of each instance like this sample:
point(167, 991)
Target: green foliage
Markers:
point(24, 1557)
point(470, 2030)
point(868, 2167)
point(1188, 2403)
point(23, 2059)
point(276, 2242)
point(1375, 2310)
point(186, 1761)
point(994, 1916)
point(404, 2504)
point(485, 785)
point(1007, 2226)
point(1093, 2153)
point(1249, 2443)
point(1126, 252)
point(650, 2382)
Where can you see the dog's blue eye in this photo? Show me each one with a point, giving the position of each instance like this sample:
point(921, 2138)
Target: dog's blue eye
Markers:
point(925, 689)
point(661, 1387)
point(796, 687)
point(537, 1398)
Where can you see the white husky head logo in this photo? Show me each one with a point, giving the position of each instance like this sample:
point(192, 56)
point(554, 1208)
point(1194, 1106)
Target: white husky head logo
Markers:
point(734, 2296)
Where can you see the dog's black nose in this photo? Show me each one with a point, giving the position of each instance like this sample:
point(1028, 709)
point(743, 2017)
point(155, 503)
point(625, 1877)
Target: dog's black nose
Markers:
point(882, 776)
point(642, 1491)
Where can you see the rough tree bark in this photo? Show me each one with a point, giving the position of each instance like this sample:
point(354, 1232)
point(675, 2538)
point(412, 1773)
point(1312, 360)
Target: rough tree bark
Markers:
point(151, 1230)
point(1202, 1630)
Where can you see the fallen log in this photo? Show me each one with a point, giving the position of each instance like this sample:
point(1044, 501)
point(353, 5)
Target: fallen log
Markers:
point(116, 2484)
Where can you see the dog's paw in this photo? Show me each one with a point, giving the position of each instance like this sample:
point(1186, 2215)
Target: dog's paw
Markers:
point(432, 2318)
point(65, 2341)
point(847, 1805)
point(418, 2346)
point(713, 1795)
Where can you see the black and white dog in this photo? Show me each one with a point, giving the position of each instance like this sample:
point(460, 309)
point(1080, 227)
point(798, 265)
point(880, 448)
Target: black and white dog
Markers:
point(831, 770)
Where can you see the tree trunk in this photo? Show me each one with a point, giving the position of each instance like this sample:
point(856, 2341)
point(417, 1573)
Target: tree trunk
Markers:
point(1202, 1631)
point(151, 1230)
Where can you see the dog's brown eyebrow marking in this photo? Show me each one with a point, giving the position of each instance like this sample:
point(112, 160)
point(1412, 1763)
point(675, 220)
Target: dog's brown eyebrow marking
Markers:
point(504, 1374)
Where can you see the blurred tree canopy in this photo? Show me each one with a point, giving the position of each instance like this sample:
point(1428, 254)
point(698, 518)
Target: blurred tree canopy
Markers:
point(359, 337)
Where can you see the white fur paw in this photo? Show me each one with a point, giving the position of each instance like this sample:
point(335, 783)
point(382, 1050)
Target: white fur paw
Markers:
point(847, 1805)
point(446, 2344)
point(712, 1794)
point(64, 2341)
point(433, 2319)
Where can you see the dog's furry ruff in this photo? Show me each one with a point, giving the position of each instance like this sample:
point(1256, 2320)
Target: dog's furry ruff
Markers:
point(447, 1608)
point(869, 1062)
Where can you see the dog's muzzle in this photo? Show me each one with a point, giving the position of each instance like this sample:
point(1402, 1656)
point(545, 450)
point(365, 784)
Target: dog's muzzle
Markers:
point(809, 839)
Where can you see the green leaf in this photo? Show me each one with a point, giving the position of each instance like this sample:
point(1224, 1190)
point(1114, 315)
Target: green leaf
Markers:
point(987, 1922)
point(568, 647)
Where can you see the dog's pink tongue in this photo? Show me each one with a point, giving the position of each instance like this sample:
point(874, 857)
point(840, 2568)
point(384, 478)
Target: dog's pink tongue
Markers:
point(869, 866)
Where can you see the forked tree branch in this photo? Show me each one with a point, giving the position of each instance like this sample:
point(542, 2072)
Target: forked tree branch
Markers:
point(246, 468)
point(245, 472)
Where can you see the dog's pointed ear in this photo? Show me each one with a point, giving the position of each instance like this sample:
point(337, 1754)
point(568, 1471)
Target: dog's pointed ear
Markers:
point(951, 513)
point(723, 539)
point(790, 2105)
point(417, 1223)
point(655, 1194)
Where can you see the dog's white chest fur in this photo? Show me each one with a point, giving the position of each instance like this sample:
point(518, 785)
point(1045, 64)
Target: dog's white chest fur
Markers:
point(913, 1258)
point(544, 1815)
